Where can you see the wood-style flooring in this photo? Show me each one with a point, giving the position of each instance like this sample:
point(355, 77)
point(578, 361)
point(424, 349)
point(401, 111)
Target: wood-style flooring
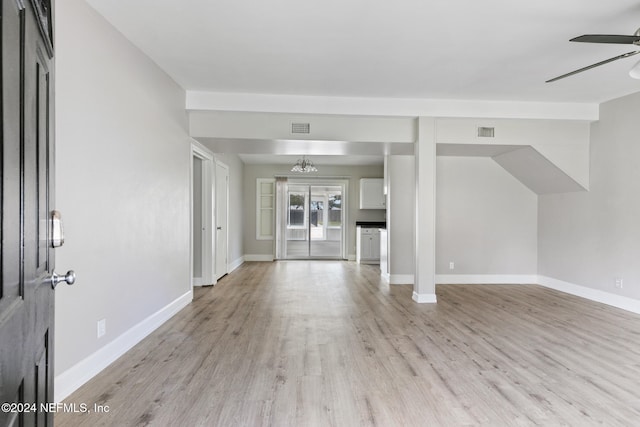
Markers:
point(319, 248)
point(328, 343)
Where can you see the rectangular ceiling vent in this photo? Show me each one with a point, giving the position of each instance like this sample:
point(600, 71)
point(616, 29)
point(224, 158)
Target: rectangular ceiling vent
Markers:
point(300, 128)
point(484, 132)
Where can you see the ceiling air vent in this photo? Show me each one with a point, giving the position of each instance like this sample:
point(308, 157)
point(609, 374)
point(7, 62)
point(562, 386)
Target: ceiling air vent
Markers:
point(300, 128)
point(484, 132)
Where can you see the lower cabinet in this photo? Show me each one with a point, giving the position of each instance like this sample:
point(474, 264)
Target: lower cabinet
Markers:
point(367, 245)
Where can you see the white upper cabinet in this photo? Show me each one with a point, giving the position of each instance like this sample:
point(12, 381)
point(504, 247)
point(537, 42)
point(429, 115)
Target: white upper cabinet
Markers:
point(372, 193)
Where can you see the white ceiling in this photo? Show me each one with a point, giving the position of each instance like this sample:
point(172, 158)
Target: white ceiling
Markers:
point(438, 49)
point(336, 160)
point(489, 50)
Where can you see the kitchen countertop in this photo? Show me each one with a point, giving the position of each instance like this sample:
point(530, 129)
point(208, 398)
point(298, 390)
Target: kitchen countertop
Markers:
point(371, 224)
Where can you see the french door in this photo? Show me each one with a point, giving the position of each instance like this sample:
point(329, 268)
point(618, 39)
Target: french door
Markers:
point(315, 221)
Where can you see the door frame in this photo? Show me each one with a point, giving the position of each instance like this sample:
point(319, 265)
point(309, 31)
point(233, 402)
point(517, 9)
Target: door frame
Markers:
point(319, 181)
point(208, 250)
point(220, 164)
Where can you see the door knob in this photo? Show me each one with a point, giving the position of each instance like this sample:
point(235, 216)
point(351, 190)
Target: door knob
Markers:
point(70, 278)
point(218, 228)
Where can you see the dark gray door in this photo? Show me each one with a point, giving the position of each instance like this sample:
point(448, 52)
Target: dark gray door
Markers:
point(26, 294)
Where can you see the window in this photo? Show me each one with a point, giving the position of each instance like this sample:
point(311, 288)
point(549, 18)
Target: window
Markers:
point(297, 216)
point(335, 210)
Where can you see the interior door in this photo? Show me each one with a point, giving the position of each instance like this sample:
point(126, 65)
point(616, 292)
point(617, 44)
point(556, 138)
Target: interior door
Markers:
point(222, 219)
point(26, 291)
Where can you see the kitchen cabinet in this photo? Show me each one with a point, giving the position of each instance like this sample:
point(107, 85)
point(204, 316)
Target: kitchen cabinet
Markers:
point(372, 193)
point(367, 245)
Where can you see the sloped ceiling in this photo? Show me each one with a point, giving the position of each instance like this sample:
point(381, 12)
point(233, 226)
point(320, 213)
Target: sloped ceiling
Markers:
point(525, 163)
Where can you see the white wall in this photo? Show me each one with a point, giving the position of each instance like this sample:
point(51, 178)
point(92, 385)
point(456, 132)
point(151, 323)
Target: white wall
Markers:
point(122, 179)
point(590, 239)
point(486, 220)
point(401, 218)
point(252, 172)
point(232, 124)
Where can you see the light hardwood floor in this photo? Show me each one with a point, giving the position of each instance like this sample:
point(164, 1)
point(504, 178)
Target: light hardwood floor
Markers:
point(301, 343)
point(319, 248)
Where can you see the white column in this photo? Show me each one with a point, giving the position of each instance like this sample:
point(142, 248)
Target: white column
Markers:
point(424, 288)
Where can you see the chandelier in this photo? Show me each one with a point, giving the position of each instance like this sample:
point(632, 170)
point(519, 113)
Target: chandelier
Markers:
point(304, 166)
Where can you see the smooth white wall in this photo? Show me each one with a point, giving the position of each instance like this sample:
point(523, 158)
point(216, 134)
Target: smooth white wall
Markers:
point(233, 124)
point(252, 172)
point(401, 219)
point(486, 220)
point(590, 239)
point(122, 179)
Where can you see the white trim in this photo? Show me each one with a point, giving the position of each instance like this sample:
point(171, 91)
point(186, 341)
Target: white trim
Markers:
point(208, 250)
point(258, 257)
point(619, 301)
point(479, 279)
point(401, 279)
point(385, 276)
point(351, 257)
point(406, 107)
point(74, 377)
point(235, 264)
point(424, 298)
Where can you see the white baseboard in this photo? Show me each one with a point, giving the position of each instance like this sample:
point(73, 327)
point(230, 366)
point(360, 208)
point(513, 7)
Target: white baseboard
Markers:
point(351, 257)
point(235, 264)
point(477, 279)
point(258, 257)
point(424, 298)
point(619, 301)
point(401, 279)
point(70, 380)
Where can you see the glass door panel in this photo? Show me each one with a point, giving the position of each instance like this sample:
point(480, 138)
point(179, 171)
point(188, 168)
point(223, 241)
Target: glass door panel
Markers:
point(297, 221)
point(314, 221)
point(325, 222)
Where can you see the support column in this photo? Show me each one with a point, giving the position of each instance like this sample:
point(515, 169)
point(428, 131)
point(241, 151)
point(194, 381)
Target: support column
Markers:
point(424, 288)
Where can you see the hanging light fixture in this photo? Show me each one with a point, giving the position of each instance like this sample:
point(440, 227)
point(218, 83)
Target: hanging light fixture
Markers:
point(304, 166)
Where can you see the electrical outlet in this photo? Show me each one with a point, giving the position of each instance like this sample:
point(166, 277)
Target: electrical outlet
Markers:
point(452, 265)
point(618, 282)
point(102, 327)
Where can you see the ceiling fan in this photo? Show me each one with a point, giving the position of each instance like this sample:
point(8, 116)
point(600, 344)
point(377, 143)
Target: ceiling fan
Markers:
point(607, 38)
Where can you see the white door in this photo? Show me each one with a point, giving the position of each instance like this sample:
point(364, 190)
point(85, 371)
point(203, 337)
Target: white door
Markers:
point(202, 216)
point(222, 219)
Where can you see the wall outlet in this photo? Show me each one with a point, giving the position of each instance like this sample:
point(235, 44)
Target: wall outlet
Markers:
point(102, 327)
point(618, 282)
point(452, 265)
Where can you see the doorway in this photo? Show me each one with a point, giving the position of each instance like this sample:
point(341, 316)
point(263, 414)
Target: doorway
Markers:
point(315, 218)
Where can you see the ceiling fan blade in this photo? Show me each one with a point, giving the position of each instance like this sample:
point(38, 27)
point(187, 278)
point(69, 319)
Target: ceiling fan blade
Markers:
point(606, 61)
point(606, 38)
